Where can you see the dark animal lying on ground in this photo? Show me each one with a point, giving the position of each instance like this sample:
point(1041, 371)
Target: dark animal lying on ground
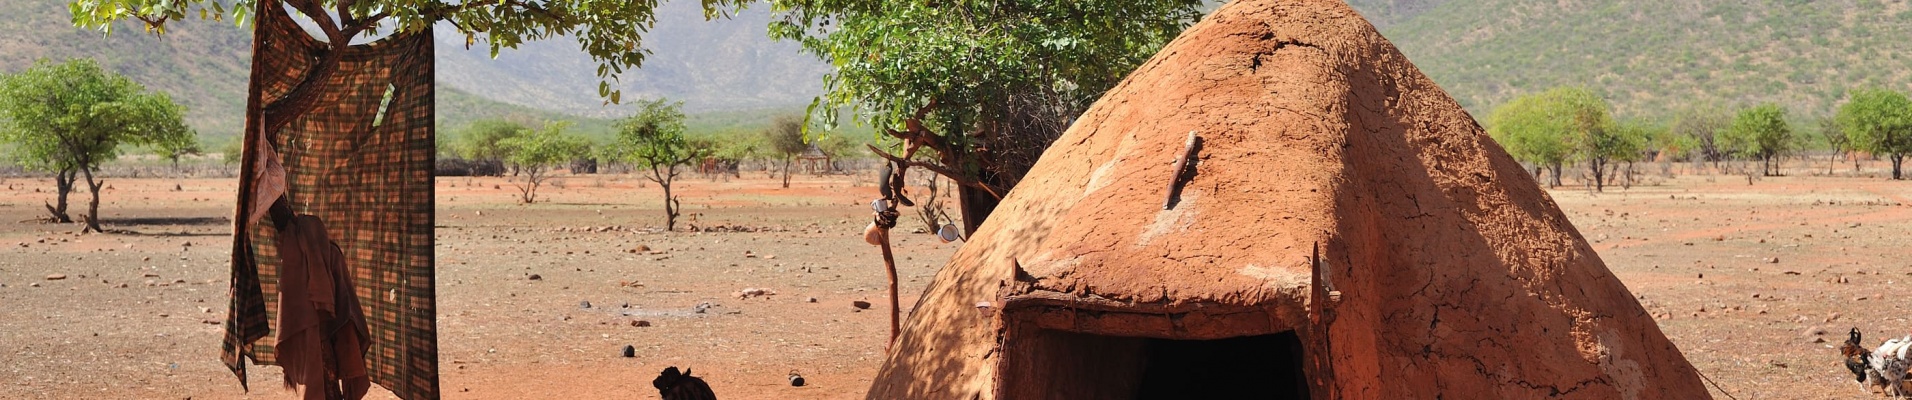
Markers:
point(681, 386)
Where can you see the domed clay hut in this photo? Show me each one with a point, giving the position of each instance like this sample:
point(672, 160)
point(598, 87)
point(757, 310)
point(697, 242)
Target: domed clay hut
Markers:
point(1344, 229)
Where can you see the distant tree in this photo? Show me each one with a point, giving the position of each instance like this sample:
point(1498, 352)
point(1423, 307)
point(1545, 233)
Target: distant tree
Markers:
point(481, 141)
point(1633, 141)
point(654, 139)
point(1836, 141)
point(987, 85)
point(1761, 133)
point(70, 117)
point(539, 153)
point(1880, 122)
point(1701, 127)
point(785, 137)
point(1552, 127)
point(230, 152)
point(173, 148)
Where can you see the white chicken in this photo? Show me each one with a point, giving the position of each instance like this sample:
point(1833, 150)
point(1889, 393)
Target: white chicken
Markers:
point(1890, 363)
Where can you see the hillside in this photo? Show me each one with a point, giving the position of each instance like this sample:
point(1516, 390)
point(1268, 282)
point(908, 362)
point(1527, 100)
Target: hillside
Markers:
point(724, 66)
point(1651, 58)
point(1648, 58)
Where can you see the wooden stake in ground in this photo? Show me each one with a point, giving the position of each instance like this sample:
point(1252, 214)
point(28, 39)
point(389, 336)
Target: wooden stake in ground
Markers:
point(878, 234)
point(896, 309)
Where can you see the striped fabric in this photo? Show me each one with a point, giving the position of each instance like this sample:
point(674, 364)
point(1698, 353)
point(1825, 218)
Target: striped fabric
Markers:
point(362, 162)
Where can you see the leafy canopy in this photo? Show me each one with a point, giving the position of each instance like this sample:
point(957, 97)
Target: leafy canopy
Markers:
point(537, 150)
point(654, 137)
point(785, 136)
point(609, 30)
point(482, 140)
point(1878, 121)
point(74, 116)
point(1011, 73)
point(1760, 132)
point(1551, 127)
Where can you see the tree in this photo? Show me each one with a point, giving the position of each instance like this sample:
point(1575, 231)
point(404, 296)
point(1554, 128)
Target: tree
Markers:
point(1880, 122)
point(985, 84)
point(481, 141)
point(68, 118)
point(1761, 133)
point(1633, 141)
point(785, 136)
point(1531, 129)
point(1701, 126)
point(172, 148)
point(1836, 142)
point(539, 153)
point(654, 139)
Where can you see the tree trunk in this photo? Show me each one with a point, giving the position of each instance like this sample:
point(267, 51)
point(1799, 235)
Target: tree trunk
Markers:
point(63, 185)
point(1555, 182)
point(786, 171)
point(1599, 175)
point(670, 209)
point(1897, 160)
point(93, 205)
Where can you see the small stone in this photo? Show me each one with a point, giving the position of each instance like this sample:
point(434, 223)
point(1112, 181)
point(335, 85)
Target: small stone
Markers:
point(535, 277)
point(1813, 331)
point(860, 304)
point(641, 323)
point(1771, 260)
point(642, 248)
point(702, 307)
point(55, 277)
point(630, 351)
point(796, 380)
point(584, 304)
point(810, 300)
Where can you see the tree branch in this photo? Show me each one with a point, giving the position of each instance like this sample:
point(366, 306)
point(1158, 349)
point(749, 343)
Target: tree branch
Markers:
point(960, 179)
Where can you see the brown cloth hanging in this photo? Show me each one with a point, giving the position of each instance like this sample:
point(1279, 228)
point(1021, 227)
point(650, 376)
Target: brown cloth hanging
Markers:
point(322, 337)
point(361, 161)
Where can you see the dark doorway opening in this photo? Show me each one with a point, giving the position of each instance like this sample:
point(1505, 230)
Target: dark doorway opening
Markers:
point(1055, 364)
point(1248, 367)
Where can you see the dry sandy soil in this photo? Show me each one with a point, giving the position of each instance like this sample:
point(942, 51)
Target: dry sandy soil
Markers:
point(1756, 284)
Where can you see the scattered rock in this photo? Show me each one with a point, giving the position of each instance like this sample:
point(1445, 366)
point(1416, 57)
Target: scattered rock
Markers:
point(810, 300)
point(35, 284)
point(535, 277)
point(1834, 317)
point(1813, 331)
point(770, 257)
point(1771, 260)
point(55, 277)
point(702, 307)
point(630, 351)
point(641, 323)
point(860, 304)
point(747, 293)
point(796, 380)
point(584, 304)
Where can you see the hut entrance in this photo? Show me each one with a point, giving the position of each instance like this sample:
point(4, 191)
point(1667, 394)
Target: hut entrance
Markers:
point(1055, 364)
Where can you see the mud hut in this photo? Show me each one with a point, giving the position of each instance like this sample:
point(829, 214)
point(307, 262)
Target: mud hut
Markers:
point(1344, 230)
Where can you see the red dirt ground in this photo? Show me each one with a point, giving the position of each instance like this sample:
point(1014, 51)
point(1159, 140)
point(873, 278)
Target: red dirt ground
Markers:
point(1694, 249)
